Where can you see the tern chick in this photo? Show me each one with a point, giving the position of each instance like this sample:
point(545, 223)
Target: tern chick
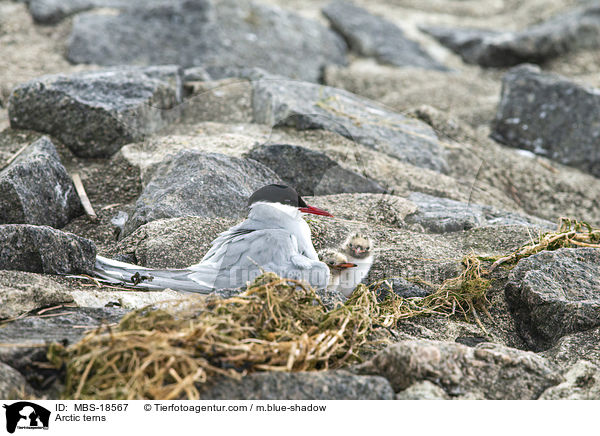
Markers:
point(337, 263)
point(358, 250)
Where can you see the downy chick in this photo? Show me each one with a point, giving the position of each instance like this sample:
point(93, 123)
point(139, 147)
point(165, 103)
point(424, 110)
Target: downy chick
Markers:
point(358, 250)
point(337, 263)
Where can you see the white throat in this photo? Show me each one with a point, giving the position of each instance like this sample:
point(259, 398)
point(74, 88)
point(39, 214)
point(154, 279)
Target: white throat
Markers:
point(263, 208)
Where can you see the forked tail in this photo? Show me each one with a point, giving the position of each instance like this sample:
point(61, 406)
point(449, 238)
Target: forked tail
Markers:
point(126, 274)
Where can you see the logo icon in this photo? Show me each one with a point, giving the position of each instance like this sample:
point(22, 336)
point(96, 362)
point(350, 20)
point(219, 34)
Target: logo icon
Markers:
point(26, 415)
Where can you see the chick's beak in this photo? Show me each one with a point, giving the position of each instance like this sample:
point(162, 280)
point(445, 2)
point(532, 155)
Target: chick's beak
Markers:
point(314, 211)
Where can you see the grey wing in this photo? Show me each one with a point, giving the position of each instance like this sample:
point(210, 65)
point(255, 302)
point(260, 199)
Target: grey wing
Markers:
point(241, 258)
point(262, 247)
point(220, 244)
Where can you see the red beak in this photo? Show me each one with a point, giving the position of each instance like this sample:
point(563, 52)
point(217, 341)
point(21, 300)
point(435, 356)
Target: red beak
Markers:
point(314, 211)
point(345, 265)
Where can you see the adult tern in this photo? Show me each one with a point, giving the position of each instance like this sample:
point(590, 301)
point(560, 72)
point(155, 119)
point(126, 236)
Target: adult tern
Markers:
point(273, 238)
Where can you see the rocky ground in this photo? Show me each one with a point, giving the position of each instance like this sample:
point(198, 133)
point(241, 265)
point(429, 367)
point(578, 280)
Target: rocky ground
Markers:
point(445, 129)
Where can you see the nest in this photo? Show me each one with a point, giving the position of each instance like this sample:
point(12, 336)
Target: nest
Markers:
point(168, 351)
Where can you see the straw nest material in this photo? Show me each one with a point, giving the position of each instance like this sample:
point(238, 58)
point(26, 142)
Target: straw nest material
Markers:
point(168, 351)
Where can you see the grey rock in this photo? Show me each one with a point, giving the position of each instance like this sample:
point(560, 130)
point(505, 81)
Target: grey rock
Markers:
point(12, 383)
point(311, 172)
point(555, 293)
point(95, 113)
point(328, 385)
point(330, 298)
point(423, 390)
point(398, 286)
point(582, 383)
point(551, 116)
point(209, 34)
point(21, 292)
point(193, 183)
point(493, 371)
point(36, 189)
point(45, 250)
point(442, 215)
point(371, 35)
point(281, 102)
point(577, 29)
point(405, 289)
point(476, 46)
point(578, 346)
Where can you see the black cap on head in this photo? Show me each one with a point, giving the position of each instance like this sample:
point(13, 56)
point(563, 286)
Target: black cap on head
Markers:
point(277, 194)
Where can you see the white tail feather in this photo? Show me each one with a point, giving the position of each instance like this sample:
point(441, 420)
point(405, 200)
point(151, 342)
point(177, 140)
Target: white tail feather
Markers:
point(183, 280)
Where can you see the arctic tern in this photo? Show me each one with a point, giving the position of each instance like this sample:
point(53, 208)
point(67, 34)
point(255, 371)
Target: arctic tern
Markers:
point(273, 238)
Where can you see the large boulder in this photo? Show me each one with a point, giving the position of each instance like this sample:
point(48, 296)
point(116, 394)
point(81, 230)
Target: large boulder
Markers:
point(551, 116)
point(45, 250)
point(371, 35)
point(555, 293)
point(36, 189)
point(576, 29)
point(488, 370)
point(281, 102)
point(328, 385)
point(215, 34)
point(194, 183)
point(95, 113)
point(311, 172)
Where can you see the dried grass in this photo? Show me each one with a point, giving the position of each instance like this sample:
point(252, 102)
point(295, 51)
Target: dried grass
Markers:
point(570, 234)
